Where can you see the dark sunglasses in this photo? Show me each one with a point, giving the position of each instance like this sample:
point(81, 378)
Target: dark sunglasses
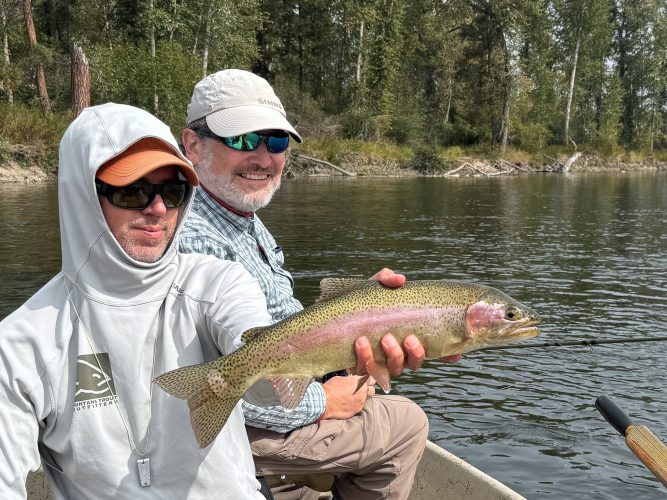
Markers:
point(276, 142)
point(141, 194)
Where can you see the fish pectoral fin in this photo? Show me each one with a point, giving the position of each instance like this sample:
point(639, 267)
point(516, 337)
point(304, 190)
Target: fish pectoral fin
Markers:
point(290, 390)
point(332, 287)
point(262, 393)
point(380, 373)
point(362, 383)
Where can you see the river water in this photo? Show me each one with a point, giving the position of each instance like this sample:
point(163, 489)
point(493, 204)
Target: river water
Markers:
point(587, 251)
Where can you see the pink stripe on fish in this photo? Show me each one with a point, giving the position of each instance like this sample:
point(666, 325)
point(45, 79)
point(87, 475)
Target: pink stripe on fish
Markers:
point(380, 321)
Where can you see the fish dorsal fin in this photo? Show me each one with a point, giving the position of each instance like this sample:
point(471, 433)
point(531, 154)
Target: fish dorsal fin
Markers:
point(290, 391)
point(251, 334)
point(332, 287)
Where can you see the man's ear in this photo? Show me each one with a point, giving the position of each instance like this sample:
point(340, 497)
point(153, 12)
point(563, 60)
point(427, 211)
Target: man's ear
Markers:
point(192, 145)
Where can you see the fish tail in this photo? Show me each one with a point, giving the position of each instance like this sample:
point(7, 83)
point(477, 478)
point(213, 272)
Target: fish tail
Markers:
point(209, 412)
point(184, 382)
point(210, 397)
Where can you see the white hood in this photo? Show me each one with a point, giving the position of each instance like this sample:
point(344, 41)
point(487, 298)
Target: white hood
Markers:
point(97, 135)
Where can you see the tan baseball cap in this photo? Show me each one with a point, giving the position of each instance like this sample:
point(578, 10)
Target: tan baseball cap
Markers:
point(140, 159)
point(236, 102)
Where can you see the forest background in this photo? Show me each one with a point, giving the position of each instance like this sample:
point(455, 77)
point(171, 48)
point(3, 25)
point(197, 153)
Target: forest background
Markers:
point(417, 82)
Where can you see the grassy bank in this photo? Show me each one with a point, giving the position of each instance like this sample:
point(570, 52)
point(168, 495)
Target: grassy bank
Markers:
point(28, 139)
point(29, 151)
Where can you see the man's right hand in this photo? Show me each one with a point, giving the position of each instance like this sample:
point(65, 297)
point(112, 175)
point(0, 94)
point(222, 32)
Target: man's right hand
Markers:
point(342, 400)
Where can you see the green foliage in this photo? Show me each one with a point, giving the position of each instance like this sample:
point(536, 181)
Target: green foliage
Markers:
point(304, 111)
point(607, 138)
point(405, 129)
point(127, 74)
point(451, 154)
point(4, 151)
point(364, 125)
point(530, 136)
point(451, 74)
point(36, 133)
point(460, 132)
point(333, 150)
point(20, 124)
point(427, 160)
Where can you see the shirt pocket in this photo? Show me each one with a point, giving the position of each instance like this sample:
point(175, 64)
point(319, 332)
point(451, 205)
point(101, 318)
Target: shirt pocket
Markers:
point(275, 258)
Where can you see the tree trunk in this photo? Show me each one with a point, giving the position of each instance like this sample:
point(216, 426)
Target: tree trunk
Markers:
point(449, 99)
point(80, 81)
point(507, 84)
point(5, 50)
point(361, 49)
point(32, 41)
point(156, 102)
point(570, 91)
point(505, 121)
point(207, 34)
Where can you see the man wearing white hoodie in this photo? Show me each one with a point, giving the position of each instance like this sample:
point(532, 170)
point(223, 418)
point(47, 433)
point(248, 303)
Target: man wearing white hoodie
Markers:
point(79, 357)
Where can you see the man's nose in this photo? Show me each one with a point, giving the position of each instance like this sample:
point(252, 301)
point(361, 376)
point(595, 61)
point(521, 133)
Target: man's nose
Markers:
point(156, 207)
point(261, 156)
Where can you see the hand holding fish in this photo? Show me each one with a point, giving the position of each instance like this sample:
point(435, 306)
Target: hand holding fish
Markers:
point(396, 357)
point(389, 278)
point(412, 353)
point(343, 398)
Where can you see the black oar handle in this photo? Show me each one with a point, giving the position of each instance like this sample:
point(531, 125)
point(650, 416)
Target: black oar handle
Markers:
point(618, 419)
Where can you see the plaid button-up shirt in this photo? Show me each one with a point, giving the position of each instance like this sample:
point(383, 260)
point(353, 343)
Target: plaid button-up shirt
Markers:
point(214, 230)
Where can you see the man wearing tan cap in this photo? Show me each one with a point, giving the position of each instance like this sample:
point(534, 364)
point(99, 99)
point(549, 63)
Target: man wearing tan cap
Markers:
point(236, 138)
point(79, 357)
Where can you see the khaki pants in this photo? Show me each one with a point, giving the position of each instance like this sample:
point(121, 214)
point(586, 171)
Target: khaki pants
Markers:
point(373, 455)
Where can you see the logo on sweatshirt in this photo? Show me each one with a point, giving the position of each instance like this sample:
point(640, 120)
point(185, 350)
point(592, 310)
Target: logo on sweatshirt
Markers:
point(94, 382)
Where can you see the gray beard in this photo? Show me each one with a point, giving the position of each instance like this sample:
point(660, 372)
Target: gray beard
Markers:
point(223, 187)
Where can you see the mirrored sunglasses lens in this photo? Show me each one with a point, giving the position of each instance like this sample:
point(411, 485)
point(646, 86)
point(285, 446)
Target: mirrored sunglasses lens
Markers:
point(174, 195)
point(234, 142)
point(132, 196)
point(277, 144)
point(251, 141)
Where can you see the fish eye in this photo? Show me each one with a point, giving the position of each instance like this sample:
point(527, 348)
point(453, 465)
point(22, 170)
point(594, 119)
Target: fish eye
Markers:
point(512, 313)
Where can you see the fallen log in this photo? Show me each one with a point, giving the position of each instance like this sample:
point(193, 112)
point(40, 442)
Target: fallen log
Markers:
point(568, 164)
point(457, 169)
point(330, 165)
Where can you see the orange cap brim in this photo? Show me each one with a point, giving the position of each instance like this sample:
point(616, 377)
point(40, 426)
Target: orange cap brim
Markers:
point(142, 158)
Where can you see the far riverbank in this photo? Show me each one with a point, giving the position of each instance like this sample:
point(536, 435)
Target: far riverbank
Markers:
point(27, 165)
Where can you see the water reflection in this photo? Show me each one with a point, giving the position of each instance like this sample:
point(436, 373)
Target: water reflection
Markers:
point(29, 241)
point(588, 252)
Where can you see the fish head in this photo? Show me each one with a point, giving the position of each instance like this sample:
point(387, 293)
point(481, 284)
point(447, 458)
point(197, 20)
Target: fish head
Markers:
point(498, 319)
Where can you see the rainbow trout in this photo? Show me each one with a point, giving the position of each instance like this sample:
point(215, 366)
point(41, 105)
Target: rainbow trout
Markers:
point(448, 317)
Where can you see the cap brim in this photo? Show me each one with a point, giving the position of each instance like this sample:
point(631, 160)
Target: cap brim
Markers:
point(137, 162)
point(240, 120)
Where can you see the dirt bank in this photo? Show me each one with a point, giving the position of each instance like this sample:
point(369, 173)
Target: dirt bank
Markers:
point(17, 173)
point(357, 164)
point(22, 164)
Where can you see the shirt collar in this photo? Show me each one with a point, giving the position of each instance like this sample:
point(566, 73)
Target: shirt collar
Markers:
point(247, 215)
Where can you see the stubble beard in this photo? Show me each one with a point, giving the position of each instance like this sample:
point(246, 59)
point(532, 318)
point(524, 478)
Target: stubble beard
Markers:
point(224, 187)
point(147, 253)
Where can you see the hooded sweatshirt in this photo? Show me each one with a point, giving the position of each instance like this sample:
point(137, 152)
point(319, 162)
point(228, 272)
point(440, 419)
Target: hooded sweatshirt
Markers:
point(77, 360)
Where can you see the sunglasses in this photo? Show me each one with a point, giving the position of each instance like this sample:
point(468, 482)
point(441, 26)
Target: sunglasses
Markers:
point(276, 142)
point(139, 195)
